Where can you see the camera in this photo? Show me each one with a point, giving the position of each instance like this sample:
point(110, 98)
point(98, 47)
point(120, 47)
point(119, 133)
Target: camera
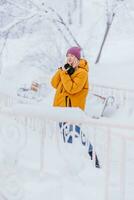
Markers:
point(70, 70)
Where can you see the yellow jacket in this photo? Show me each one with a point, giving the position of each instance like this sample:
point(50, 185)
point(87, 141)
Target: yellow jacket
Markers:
point(71, 91)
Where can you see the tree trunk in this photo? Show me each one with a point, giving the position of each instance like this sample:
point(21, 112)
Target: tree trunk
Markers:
point(75, 4)
point(69, 14)
point(104, 39)
point(80, 12)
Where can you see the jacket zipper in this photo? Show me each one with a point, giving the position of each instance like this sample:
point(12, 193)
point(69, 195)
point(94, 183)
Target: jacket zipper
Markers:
point(68, 102)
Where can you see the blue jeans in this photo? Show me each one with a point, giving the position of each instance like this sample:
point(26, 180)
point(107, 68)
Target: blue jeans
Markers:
point(67, 129)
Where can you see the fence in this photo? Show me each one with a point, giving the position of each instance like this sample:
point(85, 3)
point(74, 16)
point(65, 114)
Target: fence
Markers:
point(103, 134)
point(122, 96)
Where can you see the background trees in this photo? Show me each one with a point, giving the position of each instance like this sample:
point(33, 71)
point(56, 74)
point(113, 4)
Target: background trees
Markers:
point(45, 29)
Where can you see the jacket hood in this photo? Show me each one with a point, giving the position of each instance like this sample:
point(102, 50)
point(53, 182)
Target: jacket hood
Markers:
point(83, 64)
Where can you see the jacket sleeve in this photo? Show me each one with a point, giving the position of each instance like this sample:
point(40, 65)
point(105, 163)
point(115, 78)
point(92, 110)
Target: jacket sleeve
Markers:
point(75, 85)
point(56, 79)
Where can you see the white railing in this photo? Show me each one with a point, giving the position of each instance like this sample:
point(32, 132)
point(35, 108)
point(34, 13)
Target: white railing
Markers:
point(103, 134)
point(7, 93)
point(34, 118)
point(6, 99)
point(123, 96)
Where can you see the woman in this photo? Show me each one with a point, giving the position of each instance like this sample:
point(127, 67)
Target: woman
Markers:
point(71, 84)
point(71, 81)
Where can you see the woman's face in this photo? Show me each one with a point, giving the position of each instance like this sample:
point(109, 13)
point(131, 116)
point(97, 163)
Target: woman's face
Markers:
point(71, 59)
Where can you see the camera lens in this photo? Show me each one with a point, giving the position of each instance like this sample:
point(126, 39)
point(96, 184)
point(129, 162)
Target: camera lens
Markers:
point(67, 66)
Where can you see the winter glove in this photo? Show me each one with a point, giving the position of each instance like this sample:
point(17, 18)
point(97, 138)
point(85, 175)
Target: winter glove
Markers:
point(70, 70)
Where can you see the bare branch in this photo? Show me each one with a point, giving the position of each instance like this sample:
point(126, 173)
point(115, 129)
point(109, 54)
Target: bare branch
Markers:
point(2, 196)
point(61, 21)
point(18, 6)
point(7, 30)
point(62, 33)
point(35, 5)
point(16, 22)
point(65, 25)
point(104, 39)
point(110, 12)
point(4, 43)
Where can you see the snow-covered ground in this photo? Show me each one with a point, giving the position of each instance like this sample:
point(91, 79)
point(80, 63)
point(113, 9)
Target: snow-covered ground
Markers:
point(34, 54)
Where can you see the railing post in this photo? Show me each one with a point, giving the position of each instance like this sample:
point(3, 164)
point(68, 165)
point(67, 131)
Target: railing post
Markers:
point(123, 170)
point(57, 135)
point(107, 164)
point(94, 147)
point(42, 145)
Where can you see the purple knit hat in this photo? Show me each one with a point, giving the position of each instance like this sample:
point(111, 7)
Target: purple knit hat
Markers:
point(76, 51)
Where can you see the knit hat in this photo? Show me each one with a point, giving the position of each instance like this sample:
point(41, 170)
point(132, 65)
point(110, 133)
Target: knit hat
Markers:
point(76, 51)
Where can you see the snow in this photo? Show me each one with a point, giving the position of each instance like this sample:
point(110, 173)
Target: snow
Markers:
point(35, 165)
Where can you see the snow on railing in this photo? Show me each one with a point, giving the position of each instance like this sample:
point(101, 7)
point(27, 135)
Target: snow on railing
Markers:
point(122, 96)
point(6, 99)
point(102, 133)
point(8, 95)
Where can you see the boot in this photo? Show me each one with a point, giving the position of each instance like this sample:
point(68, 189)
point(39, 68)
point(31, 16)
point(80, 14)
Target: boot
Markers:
point(97, 165)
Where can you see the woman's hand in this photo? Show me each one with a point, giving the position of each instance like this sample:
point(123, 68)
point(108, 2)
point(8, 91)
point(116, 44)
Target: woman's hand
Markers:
point(75, 63)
